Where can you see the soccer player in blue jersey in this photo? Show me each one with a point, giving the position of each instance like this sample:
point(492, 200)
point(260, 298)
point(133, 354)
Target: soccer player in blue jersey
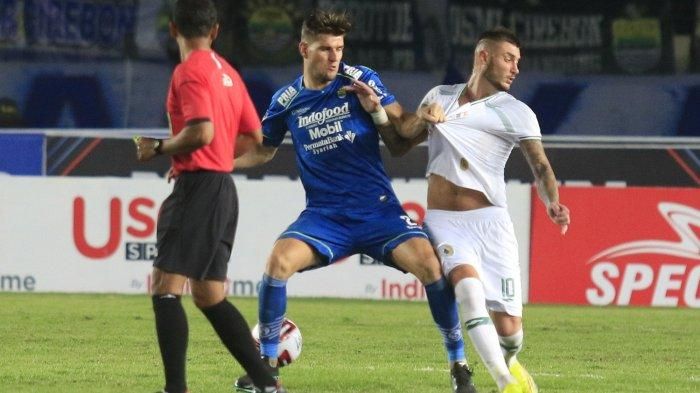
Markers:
point(336, 115)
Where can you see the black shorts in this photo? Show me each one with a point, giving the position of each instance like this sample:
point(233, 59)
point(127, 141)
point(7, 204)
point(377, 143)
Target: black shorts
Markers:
point(197, 225)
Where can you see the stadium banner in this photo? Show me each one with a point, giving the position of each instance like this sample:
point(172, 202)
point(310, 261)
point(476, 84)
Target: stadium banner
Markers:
point(625, 246)
point(567, 37)
point(390, 34)
point(68, 234)
point(651, 162)
point(76, 27)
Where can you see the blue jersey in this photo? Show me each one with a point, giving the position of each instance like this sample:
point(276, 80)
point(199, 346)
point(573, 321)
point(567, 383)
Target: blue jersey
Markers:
point(336, 143)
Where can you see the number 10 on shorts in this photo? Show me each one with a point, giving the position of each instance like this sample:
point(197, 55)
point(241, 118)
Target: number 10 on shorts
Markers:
point(507, 289)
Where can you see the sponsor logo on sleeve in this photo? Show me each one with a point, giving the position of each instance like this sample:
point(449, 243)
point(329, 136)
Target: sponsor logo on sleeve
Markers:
point(352, 71)
point(287, 96)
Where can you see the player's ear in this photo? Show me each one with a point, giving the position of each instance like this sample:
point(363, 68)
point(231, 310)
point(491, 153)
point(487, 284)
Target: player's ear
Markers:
point(172, 29)
point(214, 32)
point(304, 49)
point(484, 56)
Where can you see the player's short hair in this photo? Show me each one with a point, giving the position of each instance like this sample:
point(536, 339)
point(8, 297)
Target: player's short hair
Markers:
point(325, 22)
point(194, 18)
point(498, 34)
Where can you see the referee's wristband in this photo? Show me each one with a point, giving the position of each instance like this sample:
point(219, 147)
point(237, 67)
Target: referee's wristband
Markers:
point(158, 148)
point(379, 117)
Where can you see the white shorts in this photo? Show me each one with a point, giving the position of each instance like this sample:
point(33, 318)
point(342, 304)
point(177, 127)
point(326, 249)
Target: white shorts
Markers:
point(485, 239)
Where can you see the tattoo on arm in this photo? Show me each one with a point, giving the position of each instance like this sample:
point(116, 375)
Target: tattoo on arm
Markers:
point(541, 169)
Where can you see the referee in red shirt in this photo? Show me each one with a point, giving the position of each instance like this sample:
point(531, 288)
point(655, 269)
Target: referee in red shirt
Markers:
point(208, 107)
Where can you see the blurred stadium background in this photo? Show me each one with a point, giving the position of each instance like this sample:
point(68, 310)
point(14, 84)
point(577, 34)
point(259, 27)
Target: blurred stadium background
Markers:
point(615, 85)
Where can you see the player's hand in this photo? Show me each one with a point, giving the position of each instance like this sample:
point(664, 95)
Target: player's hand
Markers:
point(145, 148)
point(432, 113)
point(559, 214)
point(368, 97)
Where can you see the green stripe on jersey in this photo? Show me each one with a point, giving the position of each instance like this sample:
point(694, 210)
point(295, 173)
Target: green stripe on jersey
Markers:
point(504, 119)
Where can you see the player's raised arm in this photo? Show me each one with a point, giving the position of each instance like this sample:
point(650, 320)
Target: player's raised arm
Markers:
point(392, 134)
point(415, 125)
point(388, 119)
point(546, 182)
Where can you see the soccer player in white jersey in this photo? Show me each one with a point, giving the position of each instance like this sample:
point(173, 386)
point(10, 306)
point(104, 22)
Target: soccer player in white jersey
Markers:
point(471, 130)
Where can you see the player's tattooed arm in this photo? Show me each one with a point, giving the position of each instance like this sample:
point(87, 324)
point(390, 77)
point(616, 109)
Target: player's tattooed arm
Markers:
point(546, 182)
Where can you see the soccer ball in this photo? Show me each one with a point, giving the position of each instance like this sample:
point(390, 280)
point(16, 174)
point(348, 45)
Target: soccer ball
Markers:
point(290, 342)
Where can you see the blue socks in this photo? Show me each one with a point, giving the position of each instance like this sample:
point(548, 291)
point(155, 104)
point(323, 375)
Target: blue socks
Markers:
point(272, 304)
point(441, 299)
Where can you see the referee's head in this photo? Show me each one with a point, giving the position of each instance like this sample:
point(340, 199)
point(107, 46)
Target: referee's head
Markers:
point(194, 18)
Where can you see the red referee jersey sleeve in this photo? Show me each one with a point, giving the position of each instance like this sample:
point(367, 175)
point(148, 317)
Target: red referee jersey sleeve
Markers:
point(195, 101)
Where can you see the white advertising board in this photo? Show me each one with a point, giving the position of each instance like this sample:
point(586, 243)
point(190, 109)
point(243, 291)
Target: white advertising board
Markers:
point(98, 235)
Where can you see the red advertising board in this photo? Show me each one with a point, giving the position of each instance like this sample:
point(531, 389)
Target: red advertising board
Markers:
point(625, 246)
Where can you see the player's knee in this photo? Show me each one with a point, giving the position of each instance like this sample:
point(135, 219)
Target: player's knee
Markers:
point(470, 295)
point(280, 266)
point(427, 268)
point(206, 293)
point(206, 301)
point(165, 284)
point(507, 325)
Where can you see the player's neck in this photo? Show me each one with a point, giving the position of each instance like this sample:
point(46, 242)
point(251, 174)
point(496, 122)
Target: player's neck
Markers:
point(476, 89)
point(187, 46)
point(313, 84)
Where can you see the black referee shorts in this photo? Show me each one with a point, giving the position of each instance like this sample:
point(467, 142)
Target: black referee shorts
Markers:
point(197, 225)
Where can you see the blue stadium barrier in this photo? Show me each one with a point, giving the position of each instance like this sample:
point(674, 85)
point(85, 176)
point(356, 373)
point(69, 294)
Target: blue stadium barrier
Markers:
point(22, 154)
point(689, 124)
point(552, 102)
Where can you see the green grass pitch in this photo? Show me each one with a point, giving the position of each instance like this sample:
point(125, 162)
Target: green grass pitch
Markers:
point(106, 343)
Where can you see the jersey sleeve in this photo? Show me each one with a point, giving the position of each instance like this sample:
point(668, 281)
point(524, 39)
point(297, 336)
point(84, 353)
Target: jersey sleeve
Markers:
point(195, 100)
point(274, 126)
point(429, 97)
point(523, 122)
point(371, 78)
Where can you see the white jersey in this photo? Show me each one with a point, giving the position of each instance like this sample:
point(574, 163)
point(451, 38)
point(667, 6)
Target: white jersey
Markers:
point(472, 146)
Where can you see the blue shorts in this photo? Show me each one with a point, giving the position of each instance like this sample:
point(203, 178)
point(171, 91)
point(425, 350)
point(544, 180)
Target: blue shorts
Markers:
point(336, 235)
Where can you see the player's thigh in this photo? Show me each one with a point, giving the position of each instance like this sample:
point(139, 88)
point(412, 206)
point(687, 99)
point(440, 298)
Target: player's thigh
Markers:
point(416, 255)
point(167, 283)
point(288, 256)
point(501, 270)
point(457, 244)
point(207, 293)
point(325, 233)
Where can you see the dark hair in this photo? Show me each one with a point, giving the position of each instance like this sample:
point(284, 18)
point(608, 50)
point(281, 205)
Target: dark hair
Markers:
point(500, 34)
point(194, 18)
point(325, 22)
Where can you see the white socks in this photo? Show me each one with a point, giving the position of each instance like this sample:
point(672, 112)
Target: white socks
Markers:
point(472, 306)
point(511, 345)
